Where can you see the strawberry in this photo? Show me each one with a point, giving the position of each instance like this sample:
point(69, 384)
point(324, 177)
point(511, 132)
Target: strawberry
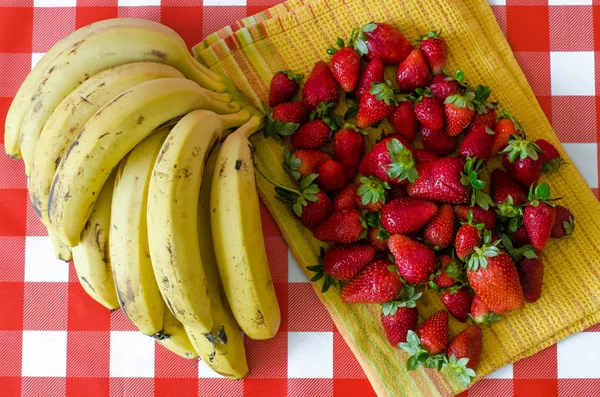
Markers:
point(539, 216)
point(345, 199)
point(440, 230)
point(398, 324)
point(344, 262)
point(405, 215)
point(488, 119)
point(520, 237)
point(458, 303)
point(375, 105)
point(443, 86)
point(448, 274)
point(415, 261)
point(487, 217)
point(552, 159)
point(382, 41)
point(303, 162)
point(423, 156)
point(531, 275)
point(284, 119)
point(493, 276)
point(374, 284)
point(378, 238)
point(373, 73)
point(468, 238)
point(435, 50)
point(284, 85)
point(403, 119)
point(331, 176)
point(398, 191)
point(390, 160)
point(523, 160)
point(503, 187)
point(480, 313)
point(345, 64)
point(464, 352)
point(316, 212)
point(371, 192)
point(345, 227)
point(413, 72)
point(348, 149)
point(485, 110)
point(437, 141)
point(444, 181)
point(477, 143)
point(320, 86)
point(505, 127)
point(429, 111)
point(311, 135)
point(564, 224)
point(459, 110)
point(426, 342)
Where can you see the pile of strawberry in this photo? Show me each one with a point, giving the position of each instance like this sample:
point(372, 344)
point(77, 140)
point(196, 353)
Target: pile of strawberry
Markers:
point(403, 218)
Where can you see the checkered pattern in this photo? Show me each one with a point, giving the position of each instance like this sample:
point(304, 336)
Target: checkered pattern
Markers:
point(56, 341)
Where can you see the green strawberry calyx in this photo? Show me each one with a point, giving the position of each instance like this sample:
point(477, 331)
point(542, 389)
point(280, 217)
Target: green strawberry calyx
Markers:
point(372, 190)
point(471, 177)
point(488, 249)
point(420, 93)
point(291, 164)
point(553, 165)
point(277, 128)
point(487, 318)
point(459, 77)
point(569, 226)
point(373, 219)
point(525, 251)
point(418, 354)
point(482, 93)
point(319, 273)
point(383, 92)
point(460, 369)
point(506, 115)
point(454, 270)
point(508, 209)
point(359, 38)
point(465, 100)
point(521, 148)
point(322, 111)
point(540, 193)
point(403, 163)
point(295, 77)
point(431, 35)
point(408, 298)
point(340, 44)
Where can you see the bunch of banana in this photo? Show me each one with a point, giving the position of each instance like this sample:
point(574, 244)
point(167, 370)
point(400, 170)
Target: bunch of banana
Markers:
point(120, 130)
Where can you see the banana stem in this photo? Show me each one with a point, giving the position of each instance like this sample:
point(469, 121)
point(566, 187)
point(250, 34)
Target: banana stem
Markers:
point(234, 119)
point(250, 127)
point(272, 182)
point(204, 70)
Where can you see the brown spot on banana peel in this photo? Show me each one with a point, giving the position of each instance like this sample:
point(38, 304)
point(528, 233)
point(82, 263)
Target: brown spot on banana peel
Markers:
point(129, 290)
point(238, 164)
point(159, 54)
point(140, 119)
point(103, 135)
point(83, 279)
point(260, 318)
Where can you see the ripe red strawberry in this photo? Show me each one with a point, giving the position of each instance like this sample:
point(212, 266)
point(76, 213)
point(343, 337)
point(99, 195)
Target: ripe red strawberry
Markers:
point(331, 176)
point(433, 333)
point(285, 118)
point(345, 199)
point(564, 224)
point(447, 275)
point(459, 111)
point(375, 105)
point(552, 159)
point(477, 143)
point(345, 65)
point(373, 73)
point(466, 345)
point(319, 87)
point(505, 127)
point(487, 217)
point(378, 238)
point(316, 212)
point(520, 237)
point(468, 237)
point(371, 193)
point(397, 325)
point(423, 156)
point(539, 216)
point(458, 303)
point(436, 50)
point(303, 162)
point(404, 121)
point(429, 111)
point(485, 110)
point(382, 41)
point(345, 227)
point(443, 86)
point(480, 313)
point(405, 215)
point(531, 275)
point(487, 118)
point(415, 261)
point(311, 135)
point(374, 284)
point(523, 160)
point(390, 160)
point(348, 149)
point(344, 262)
point(413, 72)
point(503, 186)
point(439, 232)
point(284, 85)
point(437, 141)
point(496, 281)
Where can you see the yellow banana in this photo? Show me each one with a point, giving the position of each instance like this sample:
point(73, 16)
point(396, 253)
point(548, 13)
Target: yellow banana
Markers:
point(108, 136)
point(91, 257)
point(175, 338)
point(61, 251)
point(134, 278)
point(73, 113)
point(100, 50)
point(172, 214)
point(222, 350)
point(238, 237)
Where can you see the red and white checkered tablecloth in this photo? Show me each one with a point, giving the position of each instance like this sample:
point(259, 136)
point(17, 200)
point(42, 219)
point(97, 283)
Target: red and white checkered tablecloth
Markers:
point(56, 341)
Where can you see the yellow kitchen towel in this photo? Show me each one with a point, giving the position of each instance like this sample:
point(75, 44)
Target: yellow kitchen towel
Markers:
point(294, 35)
